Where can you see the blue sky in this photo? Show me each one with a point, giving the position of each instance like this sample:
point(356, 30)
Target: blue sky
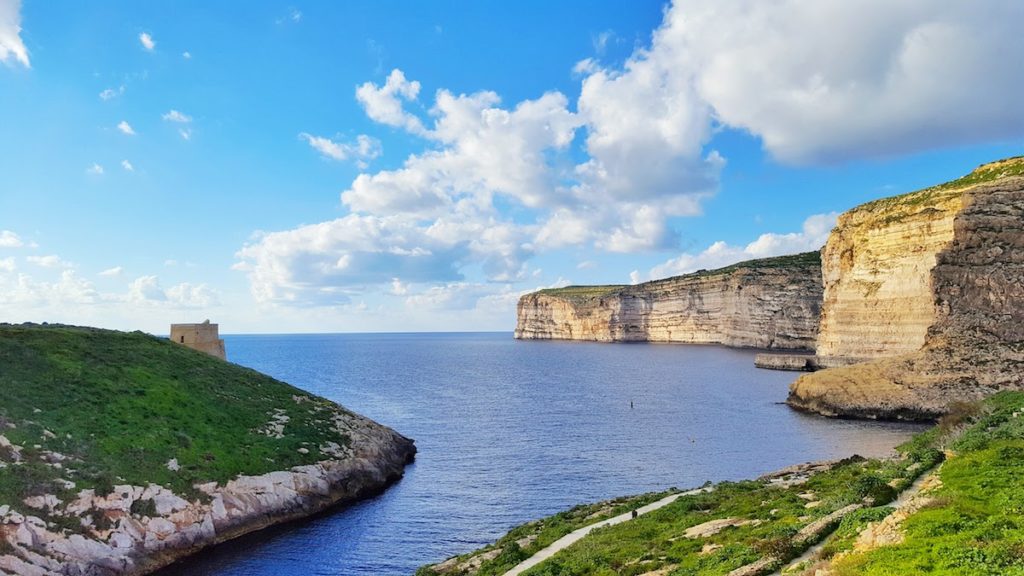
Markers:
point(391, 166)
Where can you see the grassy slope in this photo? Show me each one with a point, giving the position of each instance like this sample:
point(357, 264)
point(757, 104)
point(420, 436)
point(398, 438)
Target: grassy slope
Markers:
point(976, 525)
point(895, 208)
point(976, 522)
point(580, 293)
point(120, 405)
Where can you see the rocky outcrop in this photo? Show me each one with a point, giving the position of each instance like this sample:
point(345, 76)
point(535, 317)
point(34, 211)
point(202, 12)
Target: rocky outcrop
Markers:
point(137, 529)
point(956, 332)
point(771, 303)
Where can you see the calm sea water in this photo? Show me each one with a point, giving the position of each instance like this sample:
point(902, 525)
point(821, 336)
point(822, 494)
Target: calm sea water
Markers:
point(509, 431)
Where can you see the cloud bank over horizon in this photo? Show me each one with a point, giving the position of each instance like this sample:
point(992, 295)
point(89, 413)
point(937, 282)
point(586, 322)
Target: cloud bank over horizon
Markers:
point(390, 188)
point(903, 77)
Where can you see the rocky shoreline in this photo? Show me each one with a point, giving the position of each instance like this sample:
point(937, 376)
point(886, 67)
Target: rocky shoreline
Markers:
point(136, 530)
point(121, 453)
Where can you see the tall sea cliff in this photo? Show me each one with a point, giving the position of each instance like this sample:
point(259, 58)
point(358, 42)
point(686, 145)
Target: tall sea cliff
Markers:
point(931, 286)
point(769, 303)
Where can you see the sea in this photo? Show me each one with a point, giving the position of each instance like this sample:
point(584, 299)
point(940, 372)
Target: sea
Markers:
point(509, 431)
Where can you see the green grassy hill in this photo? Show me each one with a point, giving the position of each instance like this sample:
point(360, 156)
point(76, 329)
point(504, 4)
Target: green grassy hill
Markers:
point(97, 408)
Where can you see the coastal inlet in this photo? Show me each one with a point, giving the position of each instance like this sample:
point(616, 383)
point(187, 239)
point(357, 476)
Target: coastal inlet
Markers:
point(509, 431)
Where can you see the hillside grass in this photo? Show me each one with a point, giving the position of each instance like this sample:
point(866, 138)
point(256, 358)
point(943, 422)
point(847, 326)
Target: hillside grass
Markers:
point(973, 526)
point(656, 540)
point(118, 406)
point(975, 523)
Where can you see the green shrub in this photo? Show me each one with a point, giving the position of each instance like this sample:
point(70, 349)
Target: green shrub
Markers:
point(874, 487)
point(145, 507)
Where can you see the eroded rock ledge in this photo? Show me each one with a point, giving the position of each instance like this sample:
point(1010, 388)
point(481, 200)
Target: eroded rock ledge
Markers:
point(138, 529)
point(770, 303)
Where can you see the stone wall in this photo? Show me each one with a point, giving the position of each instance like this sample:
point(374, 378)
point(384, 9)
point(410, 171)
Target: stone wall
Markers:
point(772, 303)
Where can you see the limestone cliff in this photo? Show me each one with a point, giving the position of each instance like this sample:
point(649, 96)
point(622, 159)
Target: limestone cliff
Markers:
point(770, 303)
point(940, 278)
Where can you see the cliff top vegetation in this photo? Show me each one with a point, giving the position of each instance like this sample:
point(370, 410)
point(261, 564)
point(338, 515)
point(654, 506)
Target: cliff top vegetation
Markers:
point(98, 408)
point(583, 293)
point(895, 208)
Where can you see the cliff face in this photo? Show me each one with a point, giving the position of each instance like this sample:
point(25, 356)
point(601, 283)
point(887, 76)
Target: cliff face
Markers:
point(876, 267)
point(974, 343)
point(772, 303)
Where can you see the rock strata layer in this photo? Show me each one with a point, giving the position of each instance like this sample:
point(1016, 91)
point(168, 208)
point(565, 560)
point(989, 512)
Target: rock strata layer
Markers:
point(771, 303)
point(138, 529)
point(942, 272)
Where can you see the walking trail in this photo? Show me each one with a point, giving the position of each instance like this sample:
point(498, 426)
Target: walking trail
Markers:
point(902, 501)
point(578, 534)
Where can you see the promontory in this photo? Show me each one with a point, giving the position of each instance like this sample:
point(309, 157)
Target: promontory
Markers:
point(123, 452)
point(769, 303)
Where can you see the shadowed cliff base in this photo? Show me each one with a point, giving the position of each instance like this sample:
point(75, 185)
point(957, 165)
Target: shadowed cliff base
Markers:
point(770, 303)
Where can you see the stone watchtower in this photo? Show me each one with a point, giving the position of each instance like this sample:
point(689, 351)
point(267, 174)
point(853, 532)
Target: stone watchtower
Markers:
point(203, 337)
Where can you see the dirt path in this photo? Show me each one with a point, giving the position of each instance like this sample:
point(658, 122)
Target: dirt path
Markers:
point(898, 504)
point(578, 534)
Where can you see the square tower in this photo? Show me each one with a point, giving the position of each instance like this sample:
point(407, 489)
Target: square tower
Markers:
point(204, 337)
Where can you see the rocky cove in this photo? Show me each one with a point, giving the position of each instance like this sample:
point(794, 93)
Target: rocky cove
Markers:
point(137, 529)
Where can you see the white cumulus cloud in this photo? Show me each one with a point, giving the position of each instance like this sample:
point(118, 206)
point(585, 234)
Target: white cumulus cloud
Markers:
point(812, 236)
point(12, 48)
point(115, 271)
point(110, 93)
point(95, 170)
point(146, 288)
point(9, 239)
point(147, 41)
point(830, 81)
point(126, 128)
point(49, 261)
point(127, 166)
point(176, 116)
point(384, 103)
point(363, 149)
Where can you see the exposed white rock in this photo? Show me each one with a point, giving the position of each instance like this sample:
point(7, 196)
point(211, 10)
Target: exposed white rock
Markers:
point(140, 544)
point(42, 501)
